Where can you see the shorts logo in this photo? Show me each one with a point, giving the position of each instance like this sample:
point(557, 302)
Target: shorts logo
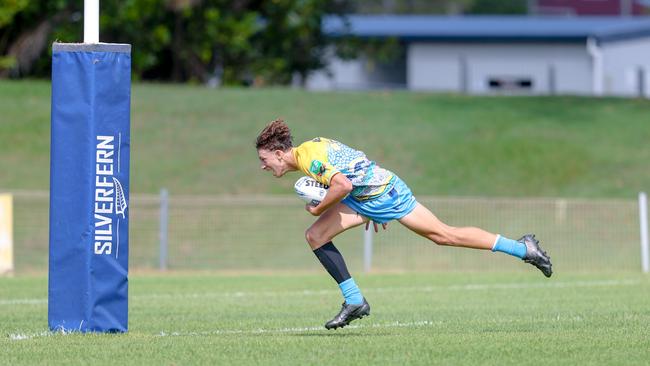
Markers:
point(317, 167)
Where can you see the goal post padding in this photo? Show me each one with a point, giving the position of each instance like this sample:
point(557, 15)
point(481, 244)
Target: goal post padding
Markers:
point(89, 187)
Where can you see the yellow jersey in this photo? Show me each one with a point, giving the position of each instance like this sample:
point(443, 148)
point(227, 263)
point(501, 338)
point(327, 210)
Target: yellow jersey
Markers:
point(322, 158)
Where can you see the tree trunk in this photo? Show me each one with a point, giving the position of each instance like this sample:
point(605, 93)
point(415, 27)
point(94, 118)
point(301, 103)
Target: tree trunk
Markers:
point(27, 48)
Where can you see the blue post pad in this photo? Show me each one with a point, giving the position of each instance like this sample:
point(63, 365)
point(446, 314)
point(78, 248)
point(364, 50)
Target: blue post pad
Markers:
point(89, 187)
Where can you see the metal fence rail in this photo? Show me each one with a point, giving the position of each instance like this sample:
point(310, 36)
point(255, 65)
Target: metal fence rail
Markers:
point(232, 233)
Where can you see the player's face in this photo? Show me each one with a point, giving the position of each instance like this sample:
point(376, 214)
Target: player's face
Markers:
point(272, 161)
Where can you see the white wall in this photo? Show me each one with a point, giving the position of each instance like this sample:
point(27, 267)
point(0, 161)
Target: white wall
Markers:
point(437, 66)
point(433, 67)
point(339, 74)
point(621, 62)
point(359, 74)
point(440, 67)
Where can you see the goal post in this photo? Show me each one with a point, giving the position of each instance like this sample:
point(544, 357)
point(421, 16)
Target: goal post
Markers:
point(89, 183)
point(6, 234)
point(643, 222)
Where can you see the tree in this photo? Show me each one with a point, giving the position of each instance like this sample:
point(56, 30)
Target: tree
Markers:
point(25, 29)
point(498, 7)
point(8, 10)
point(291, 41)
point(209, 41)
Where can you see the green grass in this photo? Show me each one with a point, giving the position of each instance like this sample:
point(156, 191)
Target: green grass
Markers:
point(195, 140)
point(445, 319)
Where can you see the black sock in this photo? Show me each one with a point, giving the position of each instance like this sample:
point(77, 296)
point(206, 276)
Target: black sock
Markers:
point(333, 262)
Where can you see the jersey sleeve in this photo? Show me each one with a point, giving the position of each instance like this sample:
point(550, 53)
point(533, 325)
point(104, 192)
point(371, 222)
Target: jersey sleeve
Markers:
point(316, 164)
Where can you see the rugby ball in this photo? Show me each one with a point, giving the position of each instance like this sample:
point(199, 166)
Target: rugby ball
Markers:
point(310, 190)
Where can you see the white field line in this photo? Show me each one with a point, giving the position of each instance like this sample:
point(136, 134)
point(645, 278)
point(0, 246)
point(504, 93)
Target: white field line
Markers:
point(397, 324)
point(21, 336)
point(23, 302)
point(468, 287)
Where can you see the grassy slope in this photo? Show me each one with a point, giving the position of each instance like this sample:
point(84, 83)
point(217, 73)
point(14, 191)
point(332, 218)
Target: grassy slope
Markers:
point(486, 319)
point(195, 140)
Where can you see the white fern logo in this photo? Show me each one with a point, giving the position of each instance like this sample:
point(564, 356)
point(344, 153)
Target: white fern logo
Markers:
point(120, 200)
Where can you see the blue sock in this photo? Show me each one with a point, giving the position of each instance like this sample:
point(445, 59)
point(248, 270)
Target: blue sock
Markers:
point(509, 246)
point(351, 292)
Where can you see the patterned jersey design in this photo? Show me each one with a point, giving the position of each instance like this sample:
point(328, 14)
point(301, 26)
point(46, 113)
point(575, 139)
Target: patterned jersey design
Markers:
point(321, 158)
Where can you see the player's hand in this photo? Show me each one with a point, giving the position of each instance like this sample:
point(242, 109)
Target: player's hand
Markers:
point(374, 224)
point(312, 210)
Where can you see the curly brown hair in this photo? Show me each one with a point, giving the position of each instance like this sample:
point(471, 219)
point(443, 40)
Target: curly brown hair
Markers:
point(275, 136)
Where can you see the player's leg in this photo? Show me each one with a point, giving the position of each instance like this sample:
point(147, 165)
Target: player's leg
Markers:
point(332, 222)
point(425, 223)
point(319, 236)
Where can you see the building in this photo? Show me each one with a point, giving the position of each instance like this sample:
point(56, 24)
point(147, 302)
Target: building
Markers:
point(497, 54)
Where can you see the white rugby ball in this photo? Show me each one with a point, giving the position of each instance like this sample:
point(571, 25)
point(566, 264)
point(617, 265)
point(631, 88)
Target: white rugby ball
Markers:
point(310, 190)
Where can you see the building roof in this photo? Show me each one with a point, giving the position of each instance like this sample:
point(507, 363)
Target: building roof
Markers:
point(488, 28)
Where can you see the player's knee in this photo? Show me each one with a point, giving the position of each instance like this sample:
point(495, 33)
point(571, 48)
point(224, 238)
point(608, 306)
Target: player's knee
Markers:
point(314, 237)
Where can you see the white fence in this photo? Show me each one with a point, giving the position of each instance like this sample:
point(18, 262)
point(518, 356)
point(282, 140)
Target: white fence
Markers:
point(266, 233)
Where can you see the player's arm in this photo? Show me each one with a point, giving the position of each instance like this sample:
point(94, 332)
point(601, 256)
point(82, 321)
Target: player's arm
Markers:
point(340, 186)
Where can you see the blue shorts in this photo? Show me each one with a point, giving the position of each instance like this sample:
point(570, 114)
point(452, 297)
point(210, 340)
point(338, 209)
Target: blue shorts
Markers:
point(392, 204)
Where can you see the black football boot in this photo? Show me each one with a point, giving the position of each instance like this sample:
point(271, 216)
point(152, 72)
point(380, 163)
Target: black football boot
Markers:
point(349, 313)
point(535, 255)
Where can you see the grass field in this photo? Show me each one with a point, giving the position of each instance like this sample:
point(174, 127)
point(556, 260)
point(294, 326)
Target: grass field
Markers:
point(445, 319)
point(197, 141)
point(194, 140)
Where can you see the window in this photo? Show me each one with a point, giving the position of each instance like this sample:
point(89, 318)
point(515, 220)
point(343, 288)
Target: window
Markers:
point(510, 83)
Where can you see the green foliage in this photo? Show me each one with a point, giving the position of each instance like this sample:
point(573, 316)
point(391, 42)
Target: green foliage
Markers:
point(232, 42)
point(188, 40)
point(498, 7)
point(59, 18)
point(9, 8)
point(142, 23)
point(7, 62)
point(378, 50)
point(408, 6)
point(217, 38)
point(291, 40)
